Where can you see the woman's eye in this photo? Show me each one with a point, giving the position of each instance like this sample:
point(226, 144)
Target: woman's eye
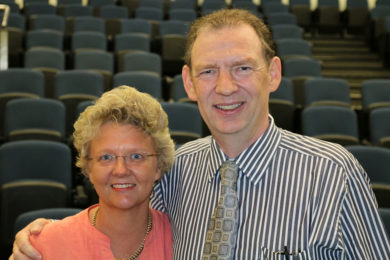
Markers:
point(106, 157)
point(136, 156)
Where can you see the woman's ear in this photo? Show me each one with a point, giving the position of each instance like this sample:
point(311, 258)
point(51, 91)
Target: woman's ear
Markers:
point(89, 176)
point(188, 84)
point(158, 175)
point(275, 73)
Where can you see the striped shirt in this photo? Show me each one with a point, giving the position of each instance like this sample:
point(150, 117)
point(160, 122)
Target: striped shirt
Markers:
point(297, 194)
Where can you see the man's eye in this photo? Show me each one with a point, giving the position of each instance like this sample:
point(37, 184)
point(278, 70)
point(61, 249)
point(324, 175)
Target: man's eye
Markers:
point(136, 156)
point(206, 72)
point(244, 68)
point(106, 157)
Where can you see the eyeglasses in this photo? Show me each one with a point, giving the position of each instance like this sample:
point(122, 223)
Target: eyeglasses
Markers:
point(135, 158)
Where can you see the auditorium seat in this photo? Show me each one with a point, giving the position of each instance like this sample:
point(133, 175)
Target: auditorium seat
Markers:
point(379, 126)
point(302, 11)
point(327, 91)
point(47, 60)
point(142, 61)
point(286, 31)
point(282, 107)
point(47, 21)
point(34, 119)
point(376, 162)
point(19, 83)
point(45, 38)
point(129, 42)
point(185, 122)
point(331, 123)
point(98, 61)
point(144, 81)
point(299, 69)
point(22, 196)
point(73, 87)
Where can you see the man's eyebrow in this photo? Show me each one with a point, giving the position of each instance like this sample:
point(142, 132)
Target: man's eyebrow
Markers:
point(244, 61)
point(204, 65)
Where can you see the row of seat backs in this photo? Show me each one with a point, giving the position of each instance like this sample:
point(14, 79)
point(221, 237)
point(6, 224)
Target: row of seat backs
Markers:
point(71, 88)
point(335, 92)
point(338, 124)
point(131, 34)
point(87, 82)
point(98, 24)
point(301, 10)
point(316, 90)
point(51, 61)
point(121, 44)
point(45, 118)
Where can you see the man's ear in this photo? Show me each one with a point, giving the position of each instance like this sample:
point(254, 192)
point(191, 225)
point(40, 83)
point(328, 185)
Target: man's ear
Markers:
point(275, 73)
point(188, 84)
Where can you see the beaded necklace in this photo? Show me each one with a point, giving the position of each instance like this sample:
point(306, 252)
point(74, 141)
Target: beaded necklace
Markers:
point(141, 246)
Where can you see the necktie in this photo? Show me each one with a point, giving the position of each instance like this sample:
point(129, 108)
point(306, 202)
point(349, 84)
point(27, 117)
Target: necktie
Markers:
point(222, 230)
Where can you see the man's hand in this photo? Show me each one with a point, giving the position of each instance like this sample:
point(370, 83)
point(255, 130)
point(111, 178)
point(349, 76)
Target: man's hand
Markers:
point(22, 248)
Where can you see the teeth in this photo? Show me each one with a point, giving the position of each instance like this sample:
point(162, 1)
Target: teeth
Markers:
point(229, 107)
point(122, 186)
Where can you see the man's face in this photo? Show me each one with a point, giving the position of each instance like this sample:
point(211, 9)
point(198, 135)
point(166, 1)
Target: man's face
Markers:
point(231, 81)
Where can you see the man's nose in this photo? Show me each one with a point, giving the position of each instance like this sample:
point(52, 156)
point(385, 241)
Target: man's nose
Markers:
point(226, 84)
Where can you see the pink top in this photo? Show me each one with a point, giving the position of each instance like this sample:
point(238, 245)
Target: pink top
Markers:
point(75, 238)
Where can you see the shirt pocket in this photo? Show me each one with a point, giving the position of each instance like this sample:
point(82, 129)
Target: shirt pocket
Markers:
point(267, 254)
point(307, 254)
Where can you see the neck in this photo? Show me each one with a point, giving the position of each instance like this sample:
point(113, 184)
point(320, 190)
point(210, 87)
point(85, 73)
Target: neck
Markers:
point(123, 221)
point(234, 144)
point(125, 228)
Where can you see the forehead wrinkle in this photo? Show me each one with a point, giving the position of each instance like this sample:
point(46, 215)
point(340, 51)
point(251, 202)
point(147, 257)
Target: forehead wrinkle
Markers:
point(206, 36)
point(230, 62)
point(227, 60)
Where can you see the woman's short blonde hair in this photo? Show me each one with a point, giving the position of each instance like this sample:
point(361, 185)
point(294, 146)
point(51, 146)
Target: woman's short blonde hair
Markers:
point(125, 105)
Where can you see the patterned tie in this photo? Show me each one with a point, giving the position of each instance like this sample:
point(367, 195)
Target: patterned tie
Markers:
point(222, 230)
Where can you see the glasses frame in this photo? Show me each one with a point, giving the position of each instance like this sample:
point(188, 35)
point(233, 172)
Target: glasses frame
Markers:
point(126, 158)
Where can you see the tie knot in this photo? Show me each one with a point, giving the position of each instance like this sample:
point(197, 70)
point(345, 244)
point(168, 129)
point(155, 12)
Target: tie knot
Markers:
point(229, 172)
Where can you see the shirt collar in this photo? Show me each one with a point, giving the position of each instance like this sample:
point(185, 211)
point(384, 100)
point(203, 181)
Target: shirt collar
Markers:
point(254, 160)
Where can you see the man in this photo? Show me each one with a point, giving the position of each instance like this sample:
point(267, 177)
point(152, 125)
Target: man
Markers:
point(297, 196)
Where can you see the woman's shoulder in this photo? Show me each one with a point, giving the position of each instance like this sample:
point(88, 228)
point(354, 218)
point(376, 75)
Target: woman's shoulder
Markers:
point(161, 225)
point(73, 237)
point(158, 244)
point(65, 226)
point(160, 218)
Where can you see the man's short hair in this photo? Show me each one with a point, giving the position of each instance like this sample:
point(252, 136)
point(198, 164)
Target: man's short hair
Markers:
point(230, 18)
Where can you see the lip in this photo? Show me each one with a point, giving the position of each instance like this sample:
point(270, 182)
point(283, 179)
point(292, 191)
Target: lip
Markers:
point(229, 108)
point(122, 186)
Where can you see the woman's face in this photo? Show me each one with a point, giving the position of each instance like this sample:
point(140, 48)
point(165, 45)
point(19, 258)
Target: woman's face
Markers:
point(123, 166)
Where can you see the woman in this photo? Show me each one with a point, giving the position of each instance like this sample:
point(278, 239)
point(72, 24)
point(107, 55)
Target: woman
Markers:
point(124, 147)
